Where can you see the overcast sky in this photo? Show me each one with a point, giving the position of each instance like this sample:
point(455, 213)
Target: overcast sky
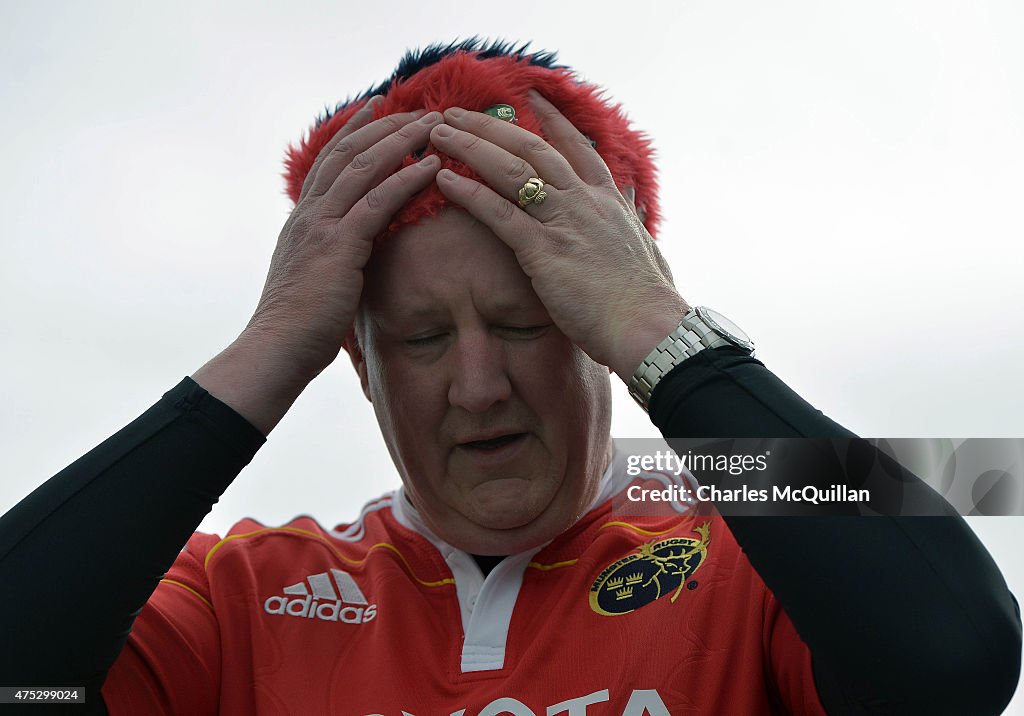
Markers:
point(841, 179)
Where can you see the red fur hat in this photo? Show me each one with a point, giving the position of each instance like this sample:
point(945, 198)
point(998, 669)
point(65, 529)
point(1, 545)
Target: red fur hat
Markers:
point(474, 76)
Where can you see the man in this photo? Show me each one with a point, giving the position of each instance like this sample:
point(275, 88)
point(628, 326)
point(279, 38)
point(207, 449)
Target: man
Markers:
point(483, 327)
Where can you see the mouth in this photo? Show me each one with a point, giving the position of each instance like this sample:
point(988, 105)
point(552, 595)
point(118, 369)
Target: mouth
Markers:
point(493, 445)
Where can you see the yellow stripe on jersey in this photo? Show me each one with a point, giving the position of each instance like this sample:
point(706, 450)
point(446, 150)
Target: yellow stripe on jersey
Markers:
point(307, 533)
point(187, 588)
point(570, 562)
point(393, 548)
point(556, 565)
point(637, 529)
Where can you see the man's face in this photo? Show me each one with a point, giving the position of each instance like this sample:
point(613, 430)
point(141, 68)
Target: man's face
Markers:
point(498, 424)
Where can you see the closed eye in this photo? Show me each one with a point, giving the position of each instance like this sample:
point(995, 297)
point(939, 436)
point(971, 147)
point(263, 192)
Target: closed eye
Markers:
point(424, 340)
point(515, 332)
point(525, 331)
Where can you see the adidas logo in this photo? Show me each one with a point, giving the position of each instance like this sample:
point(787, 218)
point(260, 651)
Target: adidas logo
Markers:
point(324, 603)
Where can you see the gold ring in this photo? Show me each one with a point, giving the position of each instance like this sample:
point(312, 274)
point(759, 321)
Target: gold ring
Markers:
point(532, 193)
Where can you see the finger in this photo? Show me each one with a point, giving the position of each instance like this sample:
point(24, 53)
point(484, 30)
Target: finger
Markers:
point(659, 259)
point(351, 143)
point(515, 140)
point(371, 166)
point(571, 143)
point(508, 222)
point(505, 172)
point(359, 119)
point(372, 214)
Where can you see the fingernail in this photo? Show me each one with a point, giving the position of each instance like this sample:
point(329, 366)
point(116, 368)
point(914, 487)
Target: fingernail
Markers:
point(368, 106)
point(443, 130)
point(431, 118)
point(447, 175)
point(540, 100)
point(456, 111)
point(428, 160)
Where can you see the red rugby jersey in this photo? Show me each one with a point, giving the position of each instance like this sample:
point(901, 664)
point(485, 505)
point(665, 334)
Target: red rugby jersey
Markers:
point(651, 615)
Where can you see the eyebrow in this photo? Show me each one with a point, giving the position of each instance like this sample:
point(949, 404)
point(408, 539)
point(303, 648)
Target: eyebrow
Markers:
point(424, 312)
point(417, 313)
point(402, 318)
point(516, 306)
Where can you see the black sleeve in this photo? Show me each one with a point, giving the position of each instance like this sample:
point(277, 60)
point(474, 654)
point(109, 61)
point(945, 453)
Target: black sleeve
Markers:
point(903, 615)
point(81, 554)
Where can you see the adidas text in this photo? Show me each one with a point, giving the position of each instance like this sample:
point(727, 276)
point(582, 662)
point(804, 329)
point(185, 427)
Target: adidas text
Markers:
point(330, 612)
point(320, 600)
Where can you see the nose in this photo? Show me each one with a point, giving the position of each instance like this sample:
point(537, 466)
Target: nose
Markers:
point(479, 372)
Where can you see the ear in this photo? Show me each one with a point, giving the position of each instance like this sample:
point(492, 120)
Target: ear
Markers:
point(355, 354)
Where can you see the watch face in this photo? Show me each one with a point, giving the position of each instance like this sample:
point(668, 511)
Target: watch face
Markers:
point(730, 329)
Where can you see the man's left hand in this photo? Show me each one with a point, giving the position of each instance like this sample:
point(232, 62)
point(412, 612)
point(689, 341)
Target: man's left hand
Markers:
point(590, 259)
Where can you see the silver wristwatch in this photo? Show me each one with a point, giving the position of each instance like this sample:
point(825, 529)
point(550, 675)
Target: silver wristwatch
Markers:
point(701, 328)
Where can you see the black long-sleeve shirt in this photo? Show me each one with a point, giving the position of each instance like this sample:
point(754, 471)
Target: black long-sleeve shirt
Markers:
point(902, 615)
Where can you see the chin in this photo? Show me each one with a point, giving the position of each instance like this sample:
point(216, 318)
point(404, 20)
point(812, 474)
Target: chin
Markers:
point(501, 542)
point(508, 504)
point(508, 533)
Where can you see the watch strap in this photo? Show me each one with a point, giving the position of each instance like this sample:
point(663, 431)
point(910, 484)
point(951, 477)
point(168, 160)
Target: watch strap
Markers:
point(690, 337)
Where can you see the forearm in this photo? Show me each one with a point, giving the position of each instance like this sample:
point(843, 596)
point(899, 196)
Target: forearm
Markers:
point(82, 553)
point(895, 611)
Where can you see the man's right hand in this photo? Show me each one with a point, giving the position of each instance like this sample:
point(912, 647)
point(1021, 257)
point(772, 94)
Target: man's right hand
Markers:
point(316, 274)
point(349, 197)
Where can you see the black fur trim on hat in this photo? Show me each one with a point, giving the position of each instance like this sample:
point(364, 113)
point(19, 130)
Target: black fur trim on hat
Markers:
point(415, 60)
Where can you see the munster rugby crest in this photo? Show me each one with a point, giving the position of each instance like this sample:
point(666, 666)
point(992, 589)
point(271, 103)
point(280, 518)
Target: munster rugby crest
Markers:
point(659, 567)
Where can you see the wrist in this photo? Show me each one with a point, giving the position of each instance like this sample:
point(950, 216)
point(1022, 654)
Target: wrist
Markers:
point(645, 335)
point(258, 376)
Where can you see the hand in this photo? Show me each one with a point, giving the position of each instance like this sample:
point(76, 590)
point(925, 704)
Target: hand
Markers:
point(349, 196)
point(592, 263)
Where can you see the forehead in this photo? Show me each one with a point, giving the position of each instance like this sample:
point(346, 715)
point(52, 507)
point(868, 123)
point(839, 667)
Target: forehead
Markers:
point(441, 260)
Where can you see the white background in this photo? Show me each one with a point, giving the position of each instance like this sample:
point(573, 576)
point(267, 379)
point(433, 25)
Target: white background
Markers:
point(842, 179)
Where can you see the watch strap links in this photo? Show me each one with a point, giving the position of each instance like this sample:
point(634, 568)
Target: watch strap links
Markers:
point(690, 337)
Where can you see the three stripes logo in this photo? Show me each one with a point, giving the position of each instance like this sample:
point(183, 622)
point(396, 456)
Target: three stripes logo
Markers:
point(347, 605)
